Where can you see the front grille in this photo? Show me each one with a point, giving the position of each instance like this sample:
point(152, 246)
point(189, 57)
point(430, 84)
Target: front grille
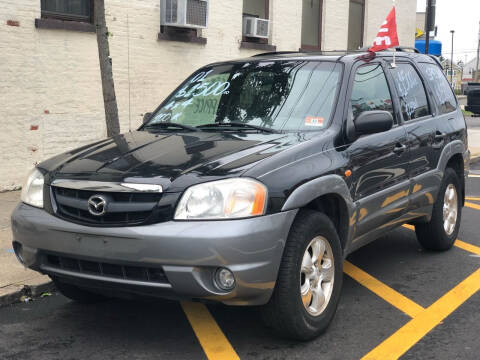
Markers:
point(123, 209)
point(109, 270)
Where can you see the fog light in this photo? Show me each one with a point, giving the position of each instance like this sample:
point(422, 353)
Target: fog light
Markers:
point(225, 279)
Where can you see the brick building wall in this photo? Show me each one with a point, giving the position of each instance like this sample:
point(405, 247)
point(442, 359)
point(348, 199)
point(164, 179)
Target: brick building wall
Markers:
point(50, 87)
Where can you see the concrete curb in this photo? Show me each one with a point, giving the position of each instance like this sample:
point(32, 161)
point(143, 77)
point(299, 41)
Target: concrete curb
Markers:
point(11, 294)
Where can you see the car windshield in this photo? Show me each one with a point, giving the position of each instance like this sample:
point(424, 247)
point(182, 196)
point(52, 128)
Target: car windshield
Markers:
point(277, 95)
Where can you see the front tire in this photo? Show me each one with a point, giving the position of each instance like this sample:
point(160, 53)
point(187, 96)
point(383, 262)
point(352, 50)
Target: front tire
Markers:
point(310, 279)
point(441, 231)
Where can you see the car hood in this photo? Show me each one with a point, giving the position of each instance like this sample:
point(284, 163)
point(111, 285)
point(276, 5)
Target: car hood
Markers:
point(174, 160)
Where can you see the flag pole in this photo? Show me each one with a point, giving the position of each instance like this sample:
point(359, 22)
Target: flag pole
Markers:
point(394, 64)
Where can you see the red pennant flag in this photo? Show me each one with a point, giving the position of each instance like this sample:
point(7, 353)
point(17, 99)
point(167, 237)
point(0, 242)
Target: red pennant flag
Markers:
point(387, 35)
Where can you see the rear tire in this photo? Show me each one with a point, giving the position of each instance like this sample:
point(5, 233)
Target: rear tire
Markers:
point(77, 294)
point(309, 281)
point(441, 231)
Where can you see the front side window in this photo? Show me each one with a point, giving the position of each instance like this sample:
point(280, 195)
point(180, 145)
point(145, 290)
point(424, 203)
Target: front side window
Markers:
point(355, 24)
point(311, 24)
point(80, 10)
point(413, 99)
point(370, 90)
point(442, 92)
point(280, 95)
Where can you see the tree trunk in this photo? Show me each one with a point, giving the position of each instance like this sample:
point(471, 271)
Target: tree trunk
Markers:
point(109, 98)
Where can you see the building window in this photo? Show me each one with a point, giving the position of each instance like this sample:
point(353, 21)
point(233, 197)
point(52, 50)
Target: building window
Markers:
point(255, 21)
point(256, 8)
point(311, 24)
point(355, 24)
point(76, 10)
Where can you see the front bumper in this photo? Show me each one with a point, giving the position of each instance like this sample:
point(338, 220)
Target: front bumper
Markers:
point(188, 252)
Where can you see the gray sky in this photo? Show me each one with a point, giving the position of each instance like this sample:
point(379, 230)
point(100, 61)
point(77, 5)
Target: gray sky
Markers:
point(463, 17)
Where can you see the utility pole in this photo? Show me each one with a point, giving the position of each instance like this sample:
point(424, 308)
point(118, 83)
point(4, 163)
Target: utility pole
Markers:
point(477, 75)
point(451, 61)
point(429, 22)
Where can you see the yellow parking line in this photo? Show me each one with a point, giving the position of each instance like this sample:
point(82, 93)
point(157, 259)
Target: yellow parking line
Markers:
point(472, 205)
point(391, 296)
point(474, 176)
point(467, 247)
point(409, 334)
point(458, 243)
point(211, 338)
point(472, 198)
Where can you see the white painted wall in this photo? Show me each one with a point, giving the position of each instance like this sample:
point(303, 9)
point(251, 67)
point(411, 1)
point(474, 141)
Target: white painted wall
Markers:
point(51, 79)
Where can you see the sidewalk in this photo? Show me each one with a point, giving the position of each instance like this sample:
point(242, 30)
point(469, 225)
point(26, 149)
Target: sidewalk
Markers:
point(15, 280)
point(474, 142)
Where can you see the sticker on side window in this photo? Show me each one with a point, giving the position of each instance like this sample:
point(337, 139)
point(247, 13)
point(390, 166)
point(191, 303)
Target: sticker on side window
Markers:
point(314, 121)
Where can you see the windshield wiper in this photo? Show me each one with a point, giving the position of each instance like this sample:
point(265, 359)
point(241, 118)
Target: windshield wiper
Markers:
point(234, 124)
point(167, 124)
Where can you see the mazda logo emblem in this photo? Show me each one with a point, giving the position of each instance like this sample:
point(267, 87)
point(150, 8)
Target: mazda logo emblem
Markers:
point(97, 205)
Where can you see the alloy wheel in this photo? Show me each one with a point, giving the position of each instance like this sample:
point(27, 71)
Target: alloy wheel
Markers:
point(450, 209)
point(317, 275)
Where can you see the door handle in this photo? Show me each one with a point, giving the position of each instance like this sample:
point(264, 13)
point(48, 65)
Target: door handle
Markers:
point(399, 148)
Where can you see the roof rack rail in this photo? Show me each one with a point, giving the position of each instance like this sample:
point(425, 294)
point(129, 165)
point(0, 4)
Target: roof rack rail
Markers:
point(320, 52)
point(343, 52)
point(407, 49)
point(397, 48)
point(275, 53)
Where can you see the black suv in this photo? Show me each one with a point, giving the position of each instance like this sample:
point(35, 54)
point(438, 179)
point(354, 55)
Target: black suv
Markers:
point(251, 183)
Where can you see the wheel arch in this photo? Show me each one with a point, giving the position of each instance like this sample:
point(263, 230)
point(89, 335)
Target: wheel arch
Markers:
point(456, 163)
point(454, 156)
point(330, 195)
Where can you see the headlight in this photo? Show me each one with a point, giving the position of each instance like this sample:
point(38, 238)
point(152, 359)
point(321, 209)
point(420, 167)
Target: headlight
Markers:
point(223, 199)
point(32, 191)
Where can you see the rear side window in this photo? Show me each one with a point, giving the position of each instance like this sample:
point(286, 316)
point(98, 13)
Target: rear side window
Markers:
point(370, 90)
point(413, 99)
point(442, 92)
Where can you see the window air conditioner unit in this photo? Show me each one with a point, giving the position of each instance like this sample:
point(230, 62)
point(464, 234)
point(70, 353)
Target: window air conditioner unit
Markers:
point(255, 27)
point(191, 14)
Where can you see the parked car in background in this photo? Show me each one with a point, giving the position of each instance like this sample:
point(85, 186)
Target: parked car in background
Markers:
point(473, 98)
point(251, 183)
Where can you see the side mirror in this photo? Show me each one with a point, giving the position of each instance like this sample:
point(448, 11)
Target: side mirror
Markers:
point(146, 117)
point(372, 122)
